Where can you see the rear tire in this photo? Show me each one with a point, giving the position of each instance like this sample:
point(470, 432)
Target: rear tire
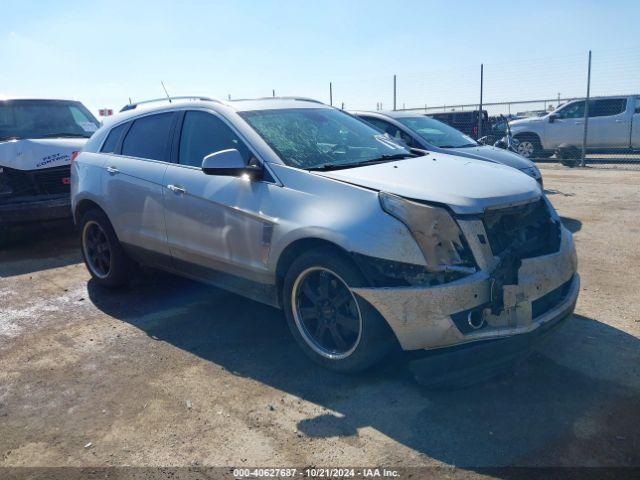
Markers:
point(103, 254)
point(569, 156)
point(334, 327)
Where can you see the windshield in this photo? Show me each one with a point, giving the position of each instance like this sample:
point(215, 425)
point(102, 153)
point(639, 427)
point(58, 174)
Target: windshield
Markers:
point(311, 138)
point(21, 119)
point(437, 133)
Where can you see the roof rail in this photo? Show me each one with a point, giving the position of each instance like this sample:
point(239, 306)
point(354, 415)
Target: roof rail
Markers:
point(131, 106)
point(302, 99)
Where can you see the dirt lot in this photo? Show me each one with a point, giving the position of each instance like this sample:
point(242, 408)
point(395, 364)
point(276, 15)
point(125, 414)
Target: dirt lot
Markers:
point(171, 372)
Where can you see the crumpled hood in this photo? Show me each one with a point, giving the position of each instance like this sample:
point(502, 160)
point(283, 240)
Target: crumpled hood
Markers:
point(34, 154)
point(499, 155)
point(466, 185)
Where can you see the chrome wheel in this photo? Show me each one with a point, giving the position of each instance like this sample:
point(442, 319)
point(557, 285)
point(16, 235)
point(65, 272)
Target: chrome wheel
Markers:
point(326, 313)
point(525, 148)
point(96, 249)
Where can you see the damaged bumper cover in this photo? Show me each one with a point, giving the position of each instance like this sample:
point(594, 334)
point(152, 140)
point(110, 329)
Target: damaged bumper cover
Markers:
point(36, 208)
point(429, 317)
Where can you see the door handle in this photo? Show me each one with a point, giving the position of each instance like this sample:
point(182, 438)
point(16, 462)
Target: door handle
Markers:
point(176, 189)
point(579, 122)
point(113, 170)
point(619, 121)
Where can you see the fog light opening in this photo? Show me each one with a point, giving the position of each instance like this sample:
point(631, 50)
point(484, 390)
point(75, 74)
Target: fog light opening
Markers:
point(475, 318)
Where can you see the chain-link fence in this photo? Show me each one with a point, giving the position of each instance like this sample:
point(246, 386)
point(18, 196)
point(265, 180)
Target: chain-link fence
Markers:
point(597, 124)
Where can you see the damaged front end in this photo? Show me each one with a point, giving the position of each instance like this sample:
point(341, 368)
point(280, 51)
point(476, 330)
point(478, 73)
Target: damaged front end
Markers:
point(503, 273)
point(34, 195)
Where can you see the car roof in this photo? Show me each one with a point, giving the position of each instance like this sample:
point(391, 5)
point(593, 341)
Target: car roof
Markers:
point(389, 113)
point(39, 100)
point(241, 105)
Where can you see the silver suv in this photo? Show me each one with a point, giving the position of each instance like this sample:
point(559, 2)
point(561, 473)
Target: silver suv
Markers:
point(366, 245)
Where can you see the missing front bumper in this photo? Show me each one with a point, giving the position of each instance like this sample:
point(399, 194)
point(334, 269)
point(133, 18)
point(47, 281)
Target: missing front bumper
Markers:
point(421, 317)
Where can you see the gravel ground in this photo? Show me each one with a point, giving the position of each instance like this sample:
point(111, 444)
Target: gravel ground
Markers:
point(170, 372)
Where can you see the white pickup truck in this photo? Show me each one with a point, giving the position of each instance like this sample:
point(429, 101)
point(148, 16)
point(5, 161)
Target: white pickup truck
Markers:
point(614, 126)
point(37, 140)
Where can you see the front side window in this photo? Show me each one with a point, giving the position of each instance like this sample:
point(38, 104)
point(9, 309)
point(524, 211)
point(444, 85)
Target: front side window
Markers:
point(148, 137)
point(605, 108)
point(311, 138)
point(20, 119)
point(573, 110)
point(437, 133)
point(204, 133)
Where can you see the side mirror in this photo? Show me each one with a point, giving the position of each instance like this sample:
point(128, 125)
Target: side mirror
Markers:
point(229, 163)
point(552, 117)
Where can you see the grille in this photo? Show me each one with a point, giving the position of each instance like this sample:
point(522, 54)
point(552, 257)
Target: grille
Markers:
point(38, 182)
point(53, 180)
point(525, 230)
point(550, 300)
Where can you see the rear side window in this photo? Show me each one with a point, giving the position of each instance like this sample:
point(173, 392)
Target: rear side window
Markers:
point(202, 134)
point(149, 137)
point(605, 108)
point(111, 143)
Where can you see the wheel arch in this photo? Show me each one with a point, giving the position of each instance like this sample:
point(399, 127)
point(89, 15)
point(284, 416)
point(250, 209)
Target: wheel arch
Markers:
point(83, 206)
point(297, 248)
point(531, 135)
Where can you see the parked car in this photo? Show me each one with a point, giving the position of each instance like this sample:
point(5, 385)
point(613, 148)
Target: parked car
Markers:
point(614, 126)
point(366, 246)
point(37, 140)
point(420, 131)
point(465, 120)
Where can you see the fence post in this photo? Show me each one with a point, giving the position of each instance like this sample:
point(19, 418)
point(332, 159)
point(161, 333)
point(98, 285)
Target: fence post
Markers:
point(394, 93)
point(331, 94)
point(586, 115)
point(480, 109)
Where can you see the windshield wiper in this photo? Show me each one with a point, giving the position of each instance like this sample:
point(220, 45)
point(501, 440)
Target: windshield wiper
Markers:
point(372, 161)
point(460, 146)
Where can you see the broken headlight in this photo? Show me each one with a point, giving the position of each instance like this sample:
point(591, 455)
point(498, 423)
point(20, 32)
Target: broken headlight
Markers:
point(436, 232)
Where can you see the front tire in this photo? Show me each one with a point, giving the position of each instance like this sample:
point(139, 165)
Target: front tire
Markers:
point(334, 327)
point(529, 146)
point(103, 254)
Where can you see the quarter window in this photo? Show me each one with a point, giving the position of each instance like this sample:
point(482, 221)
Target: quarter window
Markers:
point(203, 134)
point(148, 137)
point(111, 143)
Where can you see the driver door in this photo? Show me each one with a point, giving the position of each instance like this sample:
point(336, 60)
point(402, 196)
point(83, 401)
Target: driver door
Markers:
point(214, 223)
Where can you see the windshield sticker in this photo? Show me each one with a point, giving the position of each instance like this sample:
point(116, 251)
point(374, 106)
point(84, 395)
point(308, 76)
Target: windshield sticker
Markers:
point(56, 157)
point(88, 126)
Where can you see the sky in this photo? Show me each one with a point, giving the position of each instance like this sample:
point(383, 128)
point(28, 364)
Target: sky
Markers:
point(105, 52)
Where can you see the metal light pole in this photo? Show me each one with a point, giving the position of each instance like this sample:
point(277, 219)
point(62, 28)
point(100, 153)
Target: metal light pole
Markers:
point(394, 93)
point(331, 94)
point(586, 115)
point(480, 110)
